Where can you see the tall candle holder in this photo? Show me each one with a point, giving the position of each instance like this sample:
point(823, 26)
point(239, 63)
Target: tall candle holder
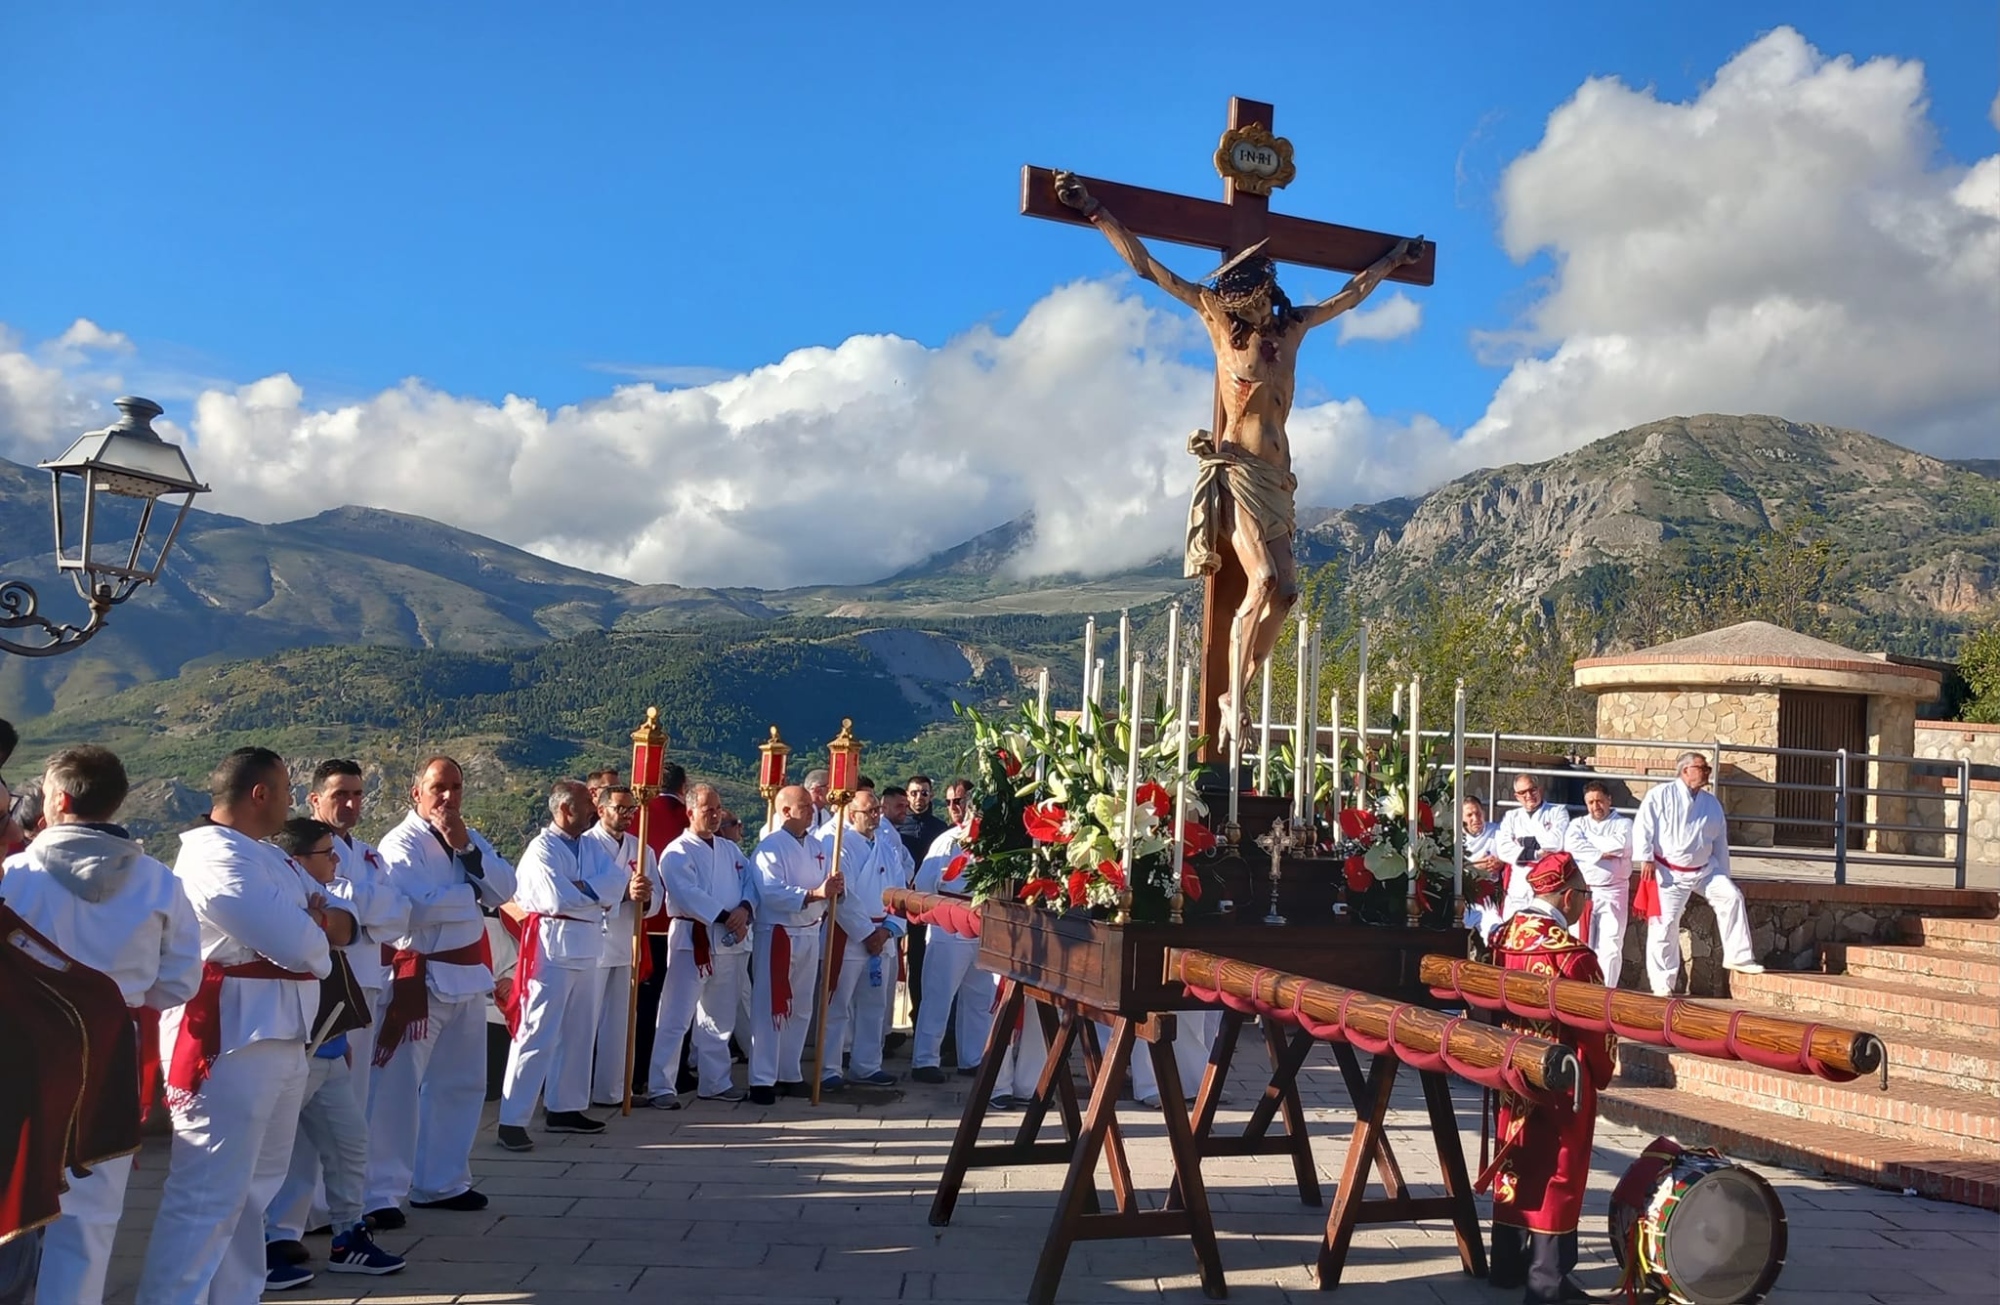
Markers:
point(1284, 837)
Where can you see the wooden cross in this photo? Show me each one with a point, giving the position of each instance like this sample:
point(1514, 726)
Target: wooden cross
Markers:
point(1230, 226)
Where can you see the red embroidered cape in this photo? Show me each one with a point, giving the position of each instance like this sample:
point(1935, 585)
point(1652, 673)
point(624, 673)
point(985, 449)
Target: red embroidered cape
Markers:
point(1544, 1163)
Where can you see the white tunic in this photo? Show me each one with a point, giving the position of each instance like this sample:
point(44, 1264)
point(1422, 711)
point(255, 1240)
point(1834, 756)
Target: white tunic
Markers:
point(930, 875)
point(787, 868)
point(250, 900)
point(1602, 849)
point(142, 931)
point(869, 866)
point(620, 924)
point(445, 901)
point(1481, 843)
point(381, 913)
point(1681, 827)
point(1547, 824)
point(572, 888)
point(706, 880)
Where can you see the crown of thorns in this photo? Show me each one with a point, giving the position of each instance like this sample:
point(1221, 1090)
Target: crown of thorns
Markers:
point(1239, 284)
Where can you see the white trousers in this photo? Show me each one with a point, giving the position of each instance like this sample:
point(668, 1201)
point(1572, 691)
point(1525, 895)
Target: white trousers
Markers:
point(423, 1108)
point(1663, 935)
point(1027, 1051)
point(1194, 1036)
point(76, 1248)
point(775, 1049)
point(707, 1007)
point(332, 1140)
point(614, 997)
point(953, 982)
point(1610, 908)
point(859, 1010)
point(553, 1047)
point(232, 1145)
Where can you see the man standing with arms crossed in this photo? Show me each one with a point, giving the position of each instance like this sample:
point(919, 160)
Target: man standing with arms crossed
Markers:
point(430, 1045)
point(794, 885)
point(235, 1053)
point(1681, 837)
point(1528, 833)
point(1601, 844)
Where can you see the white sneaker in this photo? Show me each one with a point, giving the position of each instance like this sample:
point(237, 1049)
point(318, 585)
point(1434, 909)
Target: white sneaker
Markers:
point(665, 1101)
point(1747, 967)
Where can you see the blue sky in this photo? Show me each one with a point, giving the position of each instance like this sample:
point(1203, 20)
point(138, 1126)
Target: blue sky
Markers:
point(529, 199)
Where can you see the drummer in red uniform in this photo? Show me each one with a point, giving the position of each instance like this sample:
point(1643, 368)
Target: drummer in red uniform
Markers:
point(1543, 1165)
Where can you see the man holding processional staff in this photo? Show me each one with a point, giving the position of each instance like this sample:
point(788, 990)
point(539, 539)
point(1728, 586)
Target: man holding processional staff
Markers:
point(617, 809)
point(712, 901)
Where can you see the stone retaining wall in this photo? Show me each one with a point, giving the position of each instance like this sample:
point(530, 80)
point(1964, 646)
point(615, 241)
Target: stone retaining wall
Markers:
point(1789, 922)
point(1958, 741)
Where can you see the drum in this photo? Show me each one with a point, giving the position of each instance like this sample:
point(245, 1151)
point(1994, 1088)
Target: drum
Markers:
point(1696, 1229)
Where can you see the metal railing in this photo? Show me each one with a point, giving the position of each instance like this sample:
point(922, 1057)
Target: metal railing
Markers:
point(1841, 823)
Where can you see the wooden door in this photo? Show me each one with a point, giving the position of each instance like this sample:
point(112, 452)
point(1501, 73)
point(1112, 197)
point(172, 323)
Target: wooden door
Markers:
point(1823, 721)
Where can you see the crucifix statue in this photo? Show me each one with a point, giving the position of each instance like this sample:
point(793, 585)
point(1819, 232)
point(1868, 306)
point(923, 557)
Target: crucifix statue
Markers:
point(1241, 522)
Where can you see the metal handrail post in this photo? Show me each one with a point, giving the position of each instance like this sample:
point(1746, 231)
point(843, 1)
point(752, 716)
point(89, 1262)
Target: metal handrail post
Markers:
point(1840, 816)
point(1964, 818)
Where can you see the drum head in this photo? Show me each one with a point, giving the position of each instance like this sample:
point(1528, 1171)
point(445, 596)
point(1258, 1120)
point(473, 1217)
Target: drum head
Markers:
point(1724, 1242)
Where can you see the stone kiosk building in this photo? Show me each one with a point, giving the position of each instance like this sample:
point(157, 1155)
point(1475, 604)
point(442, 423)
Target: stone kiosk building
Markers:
point(1744, 691)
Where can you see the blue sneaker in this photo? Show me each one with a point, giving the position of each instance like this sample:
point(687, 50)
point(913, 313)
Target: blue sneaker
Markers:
point(284, 1277)
point(880, 1078)
point(832, 1083)
point(354, 1251)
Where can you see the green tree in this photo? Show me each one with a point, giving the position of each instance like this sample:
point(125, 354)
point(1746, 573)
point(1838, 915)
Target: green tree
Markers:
point(1979, 662)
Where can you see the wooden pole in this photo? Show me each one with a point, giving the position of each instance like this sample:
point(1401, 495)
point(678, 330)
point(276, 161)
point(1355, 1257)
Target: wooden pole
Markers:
point(1684, 1025)
point(1546, 1065)
point(645, 799)
point(840, 799)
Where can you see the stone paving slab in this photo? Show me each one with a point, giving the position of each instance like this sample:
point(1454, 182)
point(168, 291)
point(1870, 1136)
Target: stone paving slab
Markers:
point(731, 1205)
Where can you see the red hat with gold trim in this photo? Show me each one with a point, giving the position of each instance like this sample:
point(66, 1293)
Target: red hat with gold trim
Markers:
point(1549, 874)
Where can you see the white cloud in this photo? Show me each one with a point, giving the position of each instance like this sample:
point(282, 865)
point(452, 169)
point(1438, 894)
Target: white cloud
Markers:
point(1785, 242)
point(1389, 319)
point(663, 373)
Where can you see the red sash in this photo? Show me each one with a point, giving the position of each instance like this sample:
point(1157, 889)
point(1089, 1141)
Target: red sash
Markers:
point(199, 1039)
point(146, 1021)
point(781, 976)
point(704, 960)
point(515, 1000)
point(840, 953)
point(408, 1012)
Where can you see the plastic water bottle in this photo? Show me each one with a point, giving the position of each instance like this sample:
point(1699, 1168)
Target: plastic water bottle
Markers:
point(875, 971)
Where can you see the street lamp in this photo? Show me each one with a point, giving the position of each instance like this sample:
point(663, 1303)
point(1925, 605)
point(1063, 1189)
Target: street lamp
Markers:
point(125, 460)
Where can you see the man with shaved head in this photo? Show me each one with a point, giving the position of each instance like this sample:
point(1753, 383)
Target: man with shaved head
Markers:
point(567, 884)
point(712, 901)
point(430, 1043)
point(794, 884)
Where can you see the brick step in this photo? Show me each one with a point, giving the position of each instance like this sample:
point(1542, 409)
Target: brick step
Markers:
point(1758, 1136)
point(1943, 1118)
point(1966, 1064)
point(1943, 969)
point(1869, 1004)
point(1954, 933)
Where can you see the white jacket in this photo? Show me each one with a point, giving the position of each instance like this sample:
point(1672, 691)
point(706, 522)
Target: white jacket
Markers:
point(706, 880)
point(250, 900)
point(572, 888)
point(381, 912)
point(445, 901)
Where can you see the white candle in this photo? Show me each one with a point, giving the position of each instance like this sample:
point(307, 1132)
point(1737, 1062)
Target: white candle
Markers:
point(1300, 747)
point(1180, 787)
point(1173, 651)
point(1416, 745)
point(1312, 724)
point(1132, 768)
point(1124, 646)
point(1089, 660)
point(1361, 727)
point(1097, 692)
point(1264, 735)
point(1395, 708)
point(1041, 719)
point(1235, 770)
point(1333, 750)
point(1458, 789)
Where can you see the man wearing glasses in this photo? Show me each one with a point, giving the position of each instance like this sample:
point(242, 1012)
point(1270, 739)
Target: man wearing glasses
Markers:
point(950, 974)
point(1529, 832)
point(1681, 838)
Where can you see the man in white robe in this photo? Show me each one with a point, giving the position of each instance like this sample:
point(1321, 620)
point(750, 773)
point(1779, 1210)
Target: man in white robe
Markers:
point(86, 886)
point(952, 982)
point(872, 859)
point(617, 809)
point(712, 900)
point(1529, 832)
point(382, 915)
point(794, 884)
point(1601, 845)
point(430, 1044)
point(1682, 835)
point(566, 884)
point(233, 1094)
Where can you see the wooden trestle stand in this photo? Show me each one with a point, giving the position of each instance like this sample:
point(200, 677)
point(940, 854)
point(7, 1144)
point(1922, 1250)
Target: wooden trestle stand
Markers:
point(1078, 973)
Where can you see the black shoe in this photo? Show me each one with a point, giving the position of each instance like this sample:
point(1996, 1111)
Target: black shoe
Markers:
point(763, 1094)
point(465, 1202)
point(286, 1252)
point(1574, 1294)
point(515, 1138)
point(571, 1121)
point(792, 1088)
point(324, 1230)
point(894, 1042)
point(968, 1071)
point(387, 1219)
point(929, 1074)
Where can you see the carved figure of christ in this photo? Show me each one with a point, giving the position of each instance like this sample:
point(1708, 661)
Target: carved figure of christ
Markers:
point(1247, 483)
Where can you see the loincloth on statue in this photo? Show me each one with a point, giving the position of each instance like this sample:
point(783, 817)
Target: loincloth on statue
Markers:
point(1253, 487)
